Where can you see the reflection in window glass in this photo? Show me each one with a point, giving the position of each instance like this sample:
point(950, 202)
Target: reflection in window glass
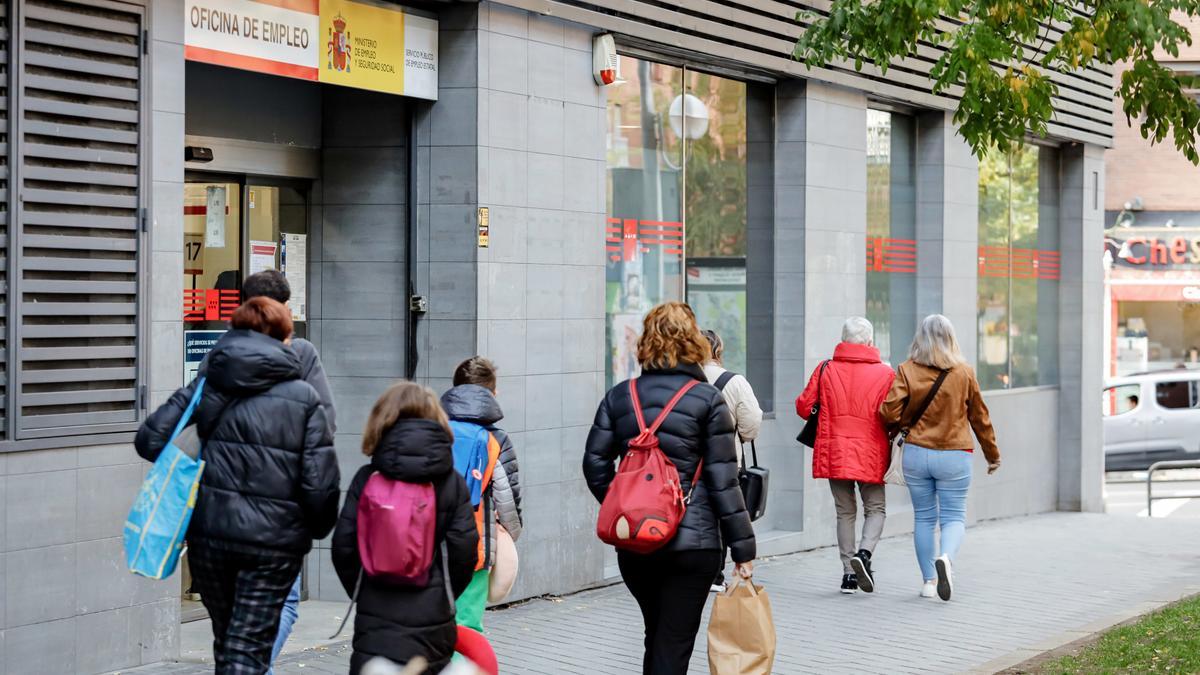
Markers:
point(1178, 395)
point(645, 222)
point(891, 232)
point(1018, 268)
point(1121, 399)
point(715, 211)
point(683, 160)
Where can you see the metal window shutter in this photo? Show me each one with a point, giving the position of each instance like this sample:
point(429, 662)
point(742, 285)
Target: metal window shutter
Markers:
point(4, 194)
point(79, 123)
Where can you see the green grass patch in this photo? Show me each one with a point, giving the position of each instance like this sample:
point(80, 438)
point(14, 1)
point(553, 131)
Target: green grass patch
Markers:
point(1166, 641)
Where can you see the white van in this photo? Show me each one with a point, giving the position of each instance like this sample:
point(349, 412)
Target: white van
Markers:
point(1150, 417)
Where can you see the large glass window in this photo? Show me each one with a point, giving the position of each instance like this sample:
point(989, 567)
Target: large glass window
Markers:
point(891, 232)
point(645, 204)
point(715, 210)
point(683, 159)
point(1018, 268)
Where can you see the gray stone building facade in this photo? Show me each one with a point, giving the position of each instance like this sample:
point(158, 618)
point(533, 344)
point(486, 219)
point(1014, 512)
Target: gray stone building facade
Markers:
point(387, 191)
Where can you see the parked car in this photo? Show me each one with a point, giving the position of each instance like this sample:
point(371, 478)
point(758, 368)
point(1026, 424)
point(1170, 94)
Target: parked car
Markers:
point(1150, 417)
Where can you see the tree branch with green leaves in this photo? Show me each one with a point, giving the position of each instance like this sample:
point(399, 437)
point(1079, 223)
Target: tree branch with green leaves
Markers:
point(995, 51)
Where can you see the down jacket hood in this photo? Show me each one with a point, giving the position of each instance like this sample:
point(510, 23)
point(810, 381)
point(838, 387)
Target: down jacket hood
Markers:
point(270, 481)
point(246, 362)
point(414, 451)
point(472, 403)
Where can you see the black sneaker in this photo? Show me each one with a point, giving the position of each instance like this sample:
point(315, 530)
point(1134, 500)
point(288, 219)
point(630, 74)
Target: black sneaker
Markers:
point(849, 584)
point(861, 564)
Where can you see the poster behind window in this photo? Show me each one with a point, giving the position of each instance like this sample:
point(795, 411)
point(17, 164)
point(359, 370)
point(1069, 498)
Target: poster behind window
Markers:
point(626, 329)
point(294, 265)
point(262, 256)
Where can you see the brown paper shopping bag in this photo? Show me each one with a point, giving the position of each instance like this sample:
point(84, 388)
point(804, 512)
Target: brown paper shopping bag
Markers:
point(741, 632)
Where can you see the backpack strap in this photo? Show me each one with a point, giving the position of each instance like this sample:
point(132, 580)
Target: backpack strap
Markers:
point(446, 576)
point(724, 380)
point(662, 416)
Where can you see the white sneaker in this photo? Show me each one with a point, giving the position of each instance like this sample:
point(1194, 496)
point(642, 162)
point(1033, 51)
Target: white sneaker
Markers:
point(945, 582)
point(929, 590)
point(717, 588)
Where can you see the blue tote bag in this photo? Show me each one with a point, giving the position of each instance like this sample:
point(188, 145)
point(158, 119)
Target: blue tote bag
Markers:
point(159, 518)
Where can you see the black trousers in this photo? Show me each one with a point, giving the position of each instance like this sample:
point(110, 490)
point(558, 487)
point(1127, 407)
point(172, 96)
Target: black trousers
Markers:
point(244, 596)
point(671, 589)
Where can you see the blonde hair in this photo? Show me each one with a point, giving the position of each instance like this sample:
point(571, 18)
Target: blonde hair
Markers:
point(670, 336)
point(403, 400)
point(935, 344)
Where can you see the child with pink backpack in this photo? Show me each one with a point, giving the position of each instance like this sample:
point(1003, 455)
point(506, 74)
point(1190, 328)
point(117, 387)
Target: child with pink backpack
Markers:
point(406, 543)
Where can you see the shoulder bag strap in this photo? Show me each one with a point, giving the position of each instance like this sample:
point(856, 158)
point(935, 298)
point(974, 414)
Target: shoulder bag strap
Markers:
point(189, 410)
point(753, 453)
point(820, 373)
point(937, 384)
point(724, 380)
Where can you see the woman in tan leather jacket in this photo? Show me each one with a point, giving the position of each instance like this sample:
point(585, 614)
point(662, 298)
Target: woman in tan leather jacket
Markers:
point(938, 446)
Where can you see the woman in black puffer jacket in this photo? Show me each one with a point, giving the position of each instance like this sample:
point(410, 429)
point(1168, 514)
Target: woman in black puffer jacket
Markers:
point(270, 481)
point(671, 585)
point(408, 439)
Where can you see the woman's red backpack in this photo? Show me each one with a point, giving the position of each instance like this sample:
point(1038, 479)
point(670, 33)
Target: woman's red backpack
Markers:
point(645, 502)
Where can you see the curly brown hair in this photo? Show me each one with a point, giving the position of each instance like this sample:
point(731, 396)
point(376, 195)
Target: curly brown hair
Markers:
point(670, 336)
point(403, 400)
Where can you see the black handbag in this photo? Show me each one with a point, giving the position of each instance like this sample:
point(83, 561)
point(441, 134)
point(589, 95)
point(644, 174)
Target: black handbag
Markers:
point(808, 435)
point(754, 480)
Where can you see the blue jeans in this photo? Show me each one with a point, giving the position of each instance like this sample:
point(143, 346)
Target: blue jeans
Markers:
point(937, 482)
point(291, 610)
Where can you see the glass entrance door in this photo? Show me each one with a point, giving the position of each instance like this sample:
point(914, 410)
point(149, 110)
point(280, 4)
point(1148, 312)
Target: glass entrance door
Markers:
point(277, 216)
point(234, 227)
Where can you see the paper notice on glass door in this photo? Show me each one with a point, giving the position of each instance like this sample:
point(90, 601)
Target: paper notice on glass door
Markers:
point(262, 256)
point(294, 261)
point(214, 216)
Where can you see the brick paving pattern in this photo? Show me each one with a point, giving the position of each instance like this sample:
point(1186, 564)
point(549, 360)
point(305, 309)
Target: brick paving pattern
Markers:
point(1021, 583)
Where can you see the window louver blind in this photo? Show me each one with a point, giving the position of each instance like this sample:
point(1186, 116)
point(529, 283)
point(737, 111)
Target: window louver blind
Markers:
point(4, 196)
point(73, 281)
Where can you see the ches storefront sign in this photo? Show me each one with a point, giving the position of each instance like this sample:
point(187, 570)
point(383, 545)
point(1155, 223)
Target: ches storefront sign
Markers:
point(353, 44)
point(1140, 251)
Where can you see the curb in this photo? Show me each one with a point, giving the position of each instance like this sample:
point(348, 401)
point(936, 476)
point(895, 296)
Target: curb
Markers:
point(1027, 659)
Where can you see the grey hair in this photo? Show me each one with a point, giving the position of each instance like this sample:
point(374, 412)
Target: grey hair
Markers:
point(935, 344)
point(714, 341)
point(858, 330)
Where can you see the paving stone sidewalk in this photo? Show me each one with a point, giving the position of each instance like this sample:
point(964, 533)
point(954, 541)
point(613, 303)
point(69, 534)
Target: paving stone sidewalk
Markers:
point(1022, 586)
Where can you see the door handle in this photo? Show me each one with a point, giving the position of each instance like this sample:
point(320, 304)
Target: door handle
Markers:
point(1159, 420)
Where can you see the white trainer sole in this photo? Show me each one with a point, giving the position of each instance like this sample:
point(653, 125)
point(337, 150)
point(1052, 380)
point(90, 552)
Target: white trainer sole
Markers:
point(865, 582)
point(944, 584)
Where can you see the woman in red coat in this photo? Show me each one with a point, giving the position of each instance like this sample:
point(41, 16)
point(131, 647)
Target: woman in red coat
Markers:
point(852, 443)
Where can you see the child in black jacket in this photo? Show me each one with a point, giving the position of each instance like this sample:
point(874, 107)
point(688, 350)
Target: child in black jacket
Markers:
point(408, 439)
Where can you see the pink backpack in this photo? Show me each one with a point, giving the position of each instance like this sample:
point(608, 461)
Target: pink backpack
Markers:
point(396, 523)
